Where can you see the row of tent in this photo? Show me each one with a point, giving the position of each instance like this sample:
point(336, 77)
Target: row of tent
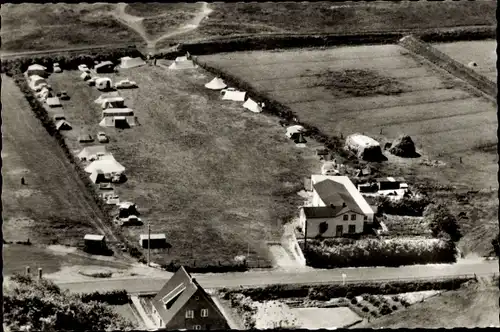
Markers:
point(235, 95)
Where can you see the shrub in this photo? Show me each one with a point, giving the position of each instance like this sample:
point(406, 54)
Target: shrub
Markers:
point(359, 304)
point(115, 297)
point(366, 297)
point(374, 313)
point(394, 307)
point(442, 221)
point(408, 206)
point(376, 303)
point(395, 298)
point(354, 301)
point(374, 252)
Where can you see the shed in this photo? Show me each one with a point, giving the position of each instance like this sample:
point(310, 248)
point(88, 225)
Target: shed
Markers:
point(157, 241)
point(104, 67)
point(252, 106)
point(94, 242)
point(364, 147)
point(128, 62)
point(85, 138)
point(54, 102)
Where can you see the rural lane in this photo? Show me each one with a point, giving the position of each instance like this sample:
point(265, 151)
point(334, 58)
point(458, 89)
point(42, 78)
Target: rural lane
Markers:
point(270, 277)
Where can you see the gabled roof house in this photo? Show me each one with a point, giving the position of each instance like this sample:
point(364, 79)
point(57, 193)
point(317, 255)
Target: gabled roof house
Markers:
point(183, 304)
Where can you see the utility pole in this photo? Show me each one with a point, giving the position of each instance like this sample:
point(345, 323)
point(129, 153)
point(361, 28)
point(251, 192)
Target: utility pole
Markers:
point(149, 242)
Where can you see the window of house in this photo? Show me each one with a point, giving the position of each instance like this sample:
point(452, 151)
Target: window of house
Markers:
point(353, 217)
point(366, 217)
point(352, 228)
point(196, 327)
point(204, 312)
point(189, 314)
point(346, 217)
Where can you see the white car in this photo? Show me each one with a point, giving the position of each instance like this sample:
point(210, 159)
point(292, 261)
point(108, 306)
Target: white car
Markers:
point(84, 68)
point(102, 138)
point(124, 84)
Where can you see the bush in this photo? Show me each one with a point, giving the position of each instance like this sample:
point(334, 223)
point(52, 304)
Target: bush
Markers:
point(374, 252)
point(359, 304)
point(408, 206)
point(365, 309)
point(354, 301)
point(395, 298)
point(441, 221)
point(116, 297)
point(376, 303)
point(366, 297)
point(394, 307)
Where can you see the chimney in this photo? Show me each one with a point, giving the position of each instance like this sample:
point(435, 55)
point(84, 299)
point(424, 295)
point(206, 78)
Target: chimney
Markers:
point(344, 205)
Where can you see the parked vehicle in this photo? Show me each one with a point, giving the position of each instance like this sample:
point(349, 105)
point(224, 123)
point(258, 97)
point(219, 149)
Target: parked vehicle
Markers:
point(125, 84)
point(102, 138)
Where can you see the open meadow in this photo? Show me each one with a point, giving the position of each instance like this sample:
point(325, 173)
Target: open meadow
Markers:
point(481, 52)
point(381, 91)
point(216, 179)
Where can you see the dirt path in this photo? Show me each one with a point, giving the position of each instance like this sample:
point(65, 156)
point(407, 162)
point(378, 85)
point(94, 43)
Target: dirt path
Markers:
point(136, 24)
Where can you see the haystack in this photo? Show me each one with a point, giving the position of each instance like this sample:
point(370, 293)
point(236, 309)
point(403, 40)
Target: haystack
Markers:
point(403, 146)
point(364, 147)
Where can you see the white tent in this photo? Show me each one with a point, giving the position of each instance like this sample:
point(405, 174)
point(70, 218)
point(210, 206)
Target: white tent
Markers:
point(92, 152)
point(105, 96)
point(128, 62)
point(233, 95)
point(63, 125)
point(54, 102)
point(216, 84)
point(36, 67)
point(290, 131)
point(107, 164)
point(36, 70)
point(252, 106)
point(36, 81)
point(188, 64)
point(113, 102)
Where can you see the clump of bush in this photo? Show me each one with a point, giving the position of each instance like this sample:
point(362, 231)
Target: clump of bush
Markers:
point(354, 301)
point(442, 222)
point(372, 252)
point(394, 307)
point(395, 298)
point(246, 307)
point(115, 297)
point(365, 309)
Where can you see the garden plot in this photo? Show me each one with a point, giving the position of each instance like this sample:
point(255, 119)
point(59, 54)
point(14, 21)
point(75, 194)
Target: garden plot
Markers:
point(325, 318)
point(211, 176)
point(480, 52)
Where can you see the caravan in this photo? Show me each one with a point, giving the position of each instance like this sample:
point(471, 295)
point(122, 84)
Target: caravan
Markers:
point(103, 83)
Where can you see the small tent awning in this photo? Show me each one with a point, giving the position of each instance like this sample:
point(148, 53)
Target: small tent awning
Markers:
point(252, 106)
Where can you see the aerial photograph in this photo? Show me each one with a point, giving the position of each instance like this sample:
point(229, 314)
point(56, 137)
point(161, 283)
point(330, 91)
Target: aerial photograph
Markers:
point(249, 165)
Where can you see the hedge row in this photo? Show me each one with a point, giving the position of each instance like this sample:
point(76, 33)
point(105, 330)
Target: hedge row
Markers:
point(452, 66)
point(275, 108)
point(329, 291)
point(115, 297)
point(41, 113)
point(407, 206)
point(68, 61)
point(396, 252)
point(173, 267)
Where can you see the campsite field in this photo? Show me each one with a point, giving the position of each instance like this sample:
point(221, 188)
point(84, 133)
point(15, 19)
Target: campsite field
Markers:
point(482, 52)
point(445, 120)
point(216, 179)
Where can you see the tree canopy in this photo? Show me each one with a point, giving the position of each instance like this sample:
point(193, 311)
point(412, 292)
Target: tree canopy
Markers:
point(31, 304)
point(442, 222)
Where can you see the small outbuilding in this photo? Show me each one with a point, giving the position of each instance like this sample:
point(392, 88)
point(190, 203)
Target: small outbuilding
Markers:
point(157, 241)
point(364, 147)
point(94, 243)
point(104, 67)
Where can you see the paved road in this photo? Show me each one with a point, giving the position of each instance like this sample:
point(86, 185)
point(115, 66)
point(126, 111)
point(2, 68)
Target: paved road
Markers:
point(261, 278)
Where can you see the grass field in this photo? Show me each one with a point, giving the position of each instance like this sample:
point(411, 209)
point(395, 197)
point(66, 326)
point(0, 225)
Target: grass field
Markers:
point(482, 52)
point(34, 26)
point(445, 121)
point(38, 27)
point(478, 307)
point(214, 178)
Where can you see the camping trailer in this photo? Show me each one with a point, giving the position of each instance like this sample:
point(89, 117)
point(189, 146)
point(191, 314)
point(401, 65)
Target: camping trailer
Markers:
point(103, 83)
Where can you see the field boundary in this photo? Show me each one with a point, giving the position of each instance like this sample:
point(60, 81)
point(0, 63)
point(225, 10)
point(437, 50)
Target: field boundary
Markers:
point(452, 66)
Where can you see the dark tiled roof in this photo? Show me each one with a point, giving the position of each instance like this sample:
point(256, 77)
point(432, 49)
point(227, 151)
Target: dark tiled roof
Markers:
point(323, 211)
